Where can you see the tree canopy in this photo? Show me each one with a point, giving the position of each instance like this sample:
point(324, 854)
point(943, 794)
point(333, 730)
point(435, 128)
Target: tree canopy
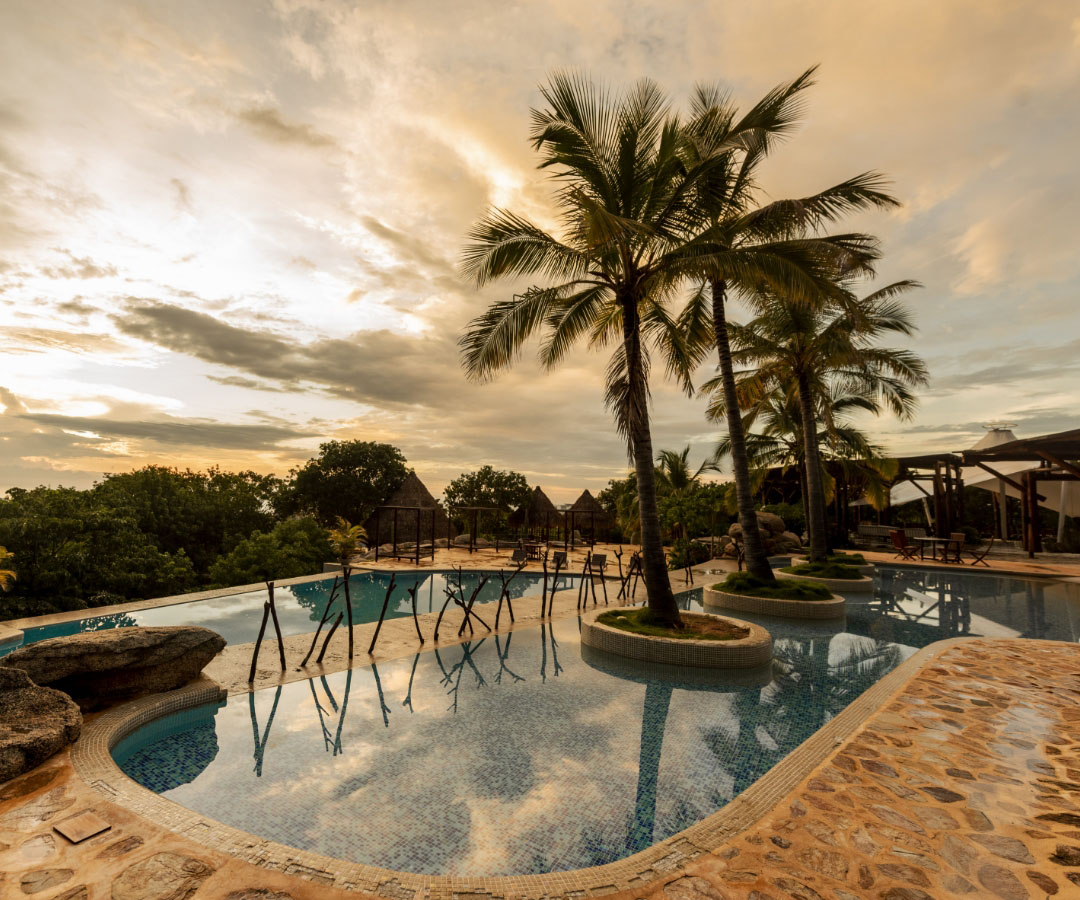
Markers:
point(488, 486)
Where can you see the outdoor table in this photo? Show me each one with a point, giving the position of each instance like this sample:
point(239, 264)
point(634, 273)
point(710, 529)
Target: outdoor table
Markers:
point(532, 551)
point(933, 542)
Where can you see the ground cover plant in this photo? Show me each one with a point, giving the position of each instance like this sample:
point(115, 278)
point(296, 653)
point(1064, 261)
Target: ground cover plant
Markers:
point(750, 585)
point(695, 626)
point(825, 570)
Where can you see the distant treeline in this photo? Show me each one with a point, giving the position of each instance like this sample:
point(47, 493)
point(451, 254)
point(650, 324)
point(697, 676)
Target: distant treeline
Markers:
point(158, 531)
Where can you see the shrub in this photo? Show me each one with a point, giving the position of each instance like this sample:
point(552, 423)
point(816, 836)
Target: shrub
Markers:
point(751, 585)
point(825, 570)
point(685, 552)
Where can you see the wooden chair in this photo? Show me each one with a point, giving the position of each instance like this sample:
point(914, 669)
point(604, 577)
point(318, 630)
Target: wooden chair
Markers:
point(558, 559)
point(977, 558)
point(903, 549)
point(519, 557)
point(950, 553)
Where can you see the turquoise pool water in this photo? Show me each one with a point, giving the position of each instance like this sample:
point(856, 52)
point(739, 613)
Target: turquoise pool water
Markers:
point(527, 752)
point(300, 606)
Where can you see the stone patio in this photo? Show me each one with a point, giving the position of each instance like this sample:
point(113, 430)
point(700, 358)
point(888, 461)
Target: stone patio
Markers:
point(961, 779)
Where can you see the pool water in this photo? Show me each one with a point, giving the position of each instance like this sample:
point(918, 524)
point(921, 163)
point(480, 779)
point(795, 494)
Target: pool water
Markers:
point(300, 606)
point(527, 753)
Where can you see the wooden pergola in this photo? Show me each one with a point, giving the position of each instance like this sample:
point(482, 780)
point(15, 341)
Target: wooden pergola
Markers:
point(941, 471)
point(473, 513)
point(1056, 458)
point(428, 549)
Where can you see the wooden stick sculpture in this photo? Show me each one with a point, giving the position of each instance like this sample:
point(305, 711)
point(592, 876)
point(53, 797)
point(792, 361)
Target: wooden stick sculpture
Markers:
point(416, 621)
point(505, 594)
point(554, 586)
point(322, 621)
point(329, 635)
point(382, 615)
point(277, 625)
point(258, 642)
point(469, 614)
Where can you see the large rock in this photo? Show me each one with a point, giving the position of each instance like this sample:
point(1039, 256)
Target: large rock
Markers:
point(771, 523)
point(35, 723)
point(100, 668)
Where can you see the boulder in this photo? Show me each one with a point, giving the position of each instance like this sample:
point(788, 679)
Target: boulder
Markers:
point(787, 542)
point(771, 523)
point(35, 723)
point(99, 668)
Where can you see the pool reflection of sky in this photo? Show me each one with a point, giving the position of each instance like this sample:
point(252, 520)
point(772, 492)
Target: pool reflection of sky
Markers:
point(513, 755)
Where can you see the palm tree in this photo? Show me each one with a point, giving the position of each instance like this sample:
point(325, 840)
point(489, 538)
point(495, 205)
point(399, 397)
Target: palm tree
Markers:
point(745, 246)
point(819, 353)
point(626, 202)
point(7, 576)
point(346, 540)
point(673, 473)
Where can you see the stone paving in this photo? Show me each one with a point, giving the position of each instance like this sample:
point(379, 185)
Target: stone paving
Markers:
point(965, 783)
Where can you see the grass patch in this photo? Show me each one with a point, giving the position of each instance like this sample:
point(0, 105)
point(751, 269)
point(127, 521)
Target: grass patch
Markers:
point(696, 627)
point(825, 570)
point(846, 559)
point(752, 586)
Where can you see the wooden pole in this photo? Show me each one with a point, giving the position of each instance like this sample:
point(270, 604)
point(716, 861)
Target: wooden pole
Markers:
point(322, 621)
point(277, 626)
point(258, 642)
point(329, 635)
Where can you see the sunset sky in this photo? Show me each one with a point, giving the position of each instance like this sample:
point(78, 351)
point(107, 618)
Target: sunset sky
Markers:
point(230, 231)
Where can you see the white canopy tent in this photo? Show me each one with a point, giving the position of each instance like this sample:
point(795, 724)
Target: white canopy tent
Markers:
point(1061, 497)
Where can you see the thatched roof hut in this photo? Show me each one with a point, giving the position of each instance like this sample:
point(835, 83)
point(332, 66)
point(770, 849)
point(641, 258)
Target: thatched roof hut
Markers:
point(539, 514)
point(411, 493)
point(587, 516)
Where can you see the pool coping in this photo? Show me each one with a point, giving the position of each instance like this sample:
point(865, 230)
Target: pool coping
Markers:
point(93, 762)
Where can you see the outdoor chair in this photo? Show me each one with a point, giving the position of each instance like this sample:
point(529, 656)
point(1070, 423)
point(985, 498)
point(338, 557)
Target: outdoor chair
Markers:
point(558, 559)
point(950, 553)
point(519, 557)
point(977, 558)
point(904, 550)
point(598, 562)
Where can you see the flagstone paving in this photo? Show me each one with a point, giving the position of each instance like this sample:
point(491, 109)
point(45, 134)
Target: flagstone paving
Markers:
point(965, 783)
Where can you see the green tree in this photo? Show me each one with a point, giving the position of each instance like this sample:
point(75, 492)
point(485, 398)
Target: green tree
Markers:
point(745, 245)
point(505, 490)
point(75, 552)
point(827, 356)
point(348, 479)
point(7, 576)
point(202, 513)
point(290, 549)
point(625, 195)
point(673, 472)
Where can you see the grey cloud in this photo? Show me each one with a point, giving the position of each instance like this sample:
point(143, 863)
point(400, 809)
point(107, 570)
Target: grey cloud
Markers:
point(78, 267)
point(378, 367)
point(1010, 364)
point(175, 431)
point(267, 123)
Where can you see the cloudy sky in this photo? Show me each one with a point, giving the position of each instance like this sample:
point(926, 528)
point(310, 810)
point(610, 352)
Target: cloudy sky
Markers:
point(229, 232)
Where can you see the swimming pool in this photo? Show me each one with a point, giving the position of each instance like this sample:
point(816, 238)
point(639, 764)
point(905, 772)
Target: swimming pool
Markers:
point(527, 753)
point(300, 606)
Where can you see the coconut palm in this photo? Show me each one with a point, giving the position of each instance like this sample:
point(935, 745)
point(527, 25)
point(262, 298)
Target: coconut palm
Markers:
point(7, 576)
point(746, 245)
point(625, 197)
point(673, 472)
point(817, 353)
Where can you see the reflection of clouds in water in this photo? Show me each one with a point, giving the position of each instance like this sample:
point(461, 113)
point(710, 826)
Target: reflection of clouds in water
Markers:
point(540, 774)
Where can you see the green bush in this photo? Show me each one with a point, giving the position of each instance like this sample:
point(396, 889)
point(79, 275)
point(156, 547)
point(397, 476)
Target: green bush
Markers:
point(685, 553)
point(825, 570)
point(291, 548)
point(639, 621)
point(751, 585)
point(847, 559)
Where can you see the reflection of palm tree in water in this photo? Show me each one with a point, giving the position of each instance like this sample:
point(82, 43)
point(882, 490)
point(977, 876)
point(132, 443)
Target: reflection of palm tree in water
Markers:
point(805, 693)
point(653, 721)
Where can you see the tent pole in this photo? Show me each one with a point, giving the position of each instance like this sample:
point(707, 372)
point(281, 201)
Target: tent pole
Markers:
point(1061, 512)
point(1003, 509)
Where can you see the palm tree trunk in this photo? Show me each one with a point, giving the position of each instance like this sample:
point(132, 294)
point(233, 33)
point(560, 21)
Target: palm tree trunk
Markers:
point(815, 515)
point(662, 603)
point(757, 563)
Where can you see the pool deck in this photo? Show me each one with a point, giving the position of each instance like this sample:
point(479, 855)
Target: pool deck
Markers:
point(958, 774)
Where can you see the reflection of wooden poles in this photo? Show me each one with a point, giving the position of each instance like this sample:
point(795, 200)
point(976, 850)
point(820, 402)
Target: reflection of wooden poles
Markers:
point(382, 615)
point(408, 696)
point(416, 621)
point(327, 737)
point(322, 621)
point(382, 700)
point(260, 743)
point(344, 706)
point(502, 654)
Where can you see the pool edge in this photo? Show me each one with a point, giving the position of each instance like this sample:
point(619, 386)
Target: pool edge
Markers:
point(93, 763)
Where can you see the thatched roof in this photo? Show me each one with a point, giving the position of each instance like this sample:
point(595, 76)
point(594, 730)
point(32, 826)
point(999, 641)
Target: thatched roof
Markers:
point(538, 511)
point(412, 493)
point(587, 504)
